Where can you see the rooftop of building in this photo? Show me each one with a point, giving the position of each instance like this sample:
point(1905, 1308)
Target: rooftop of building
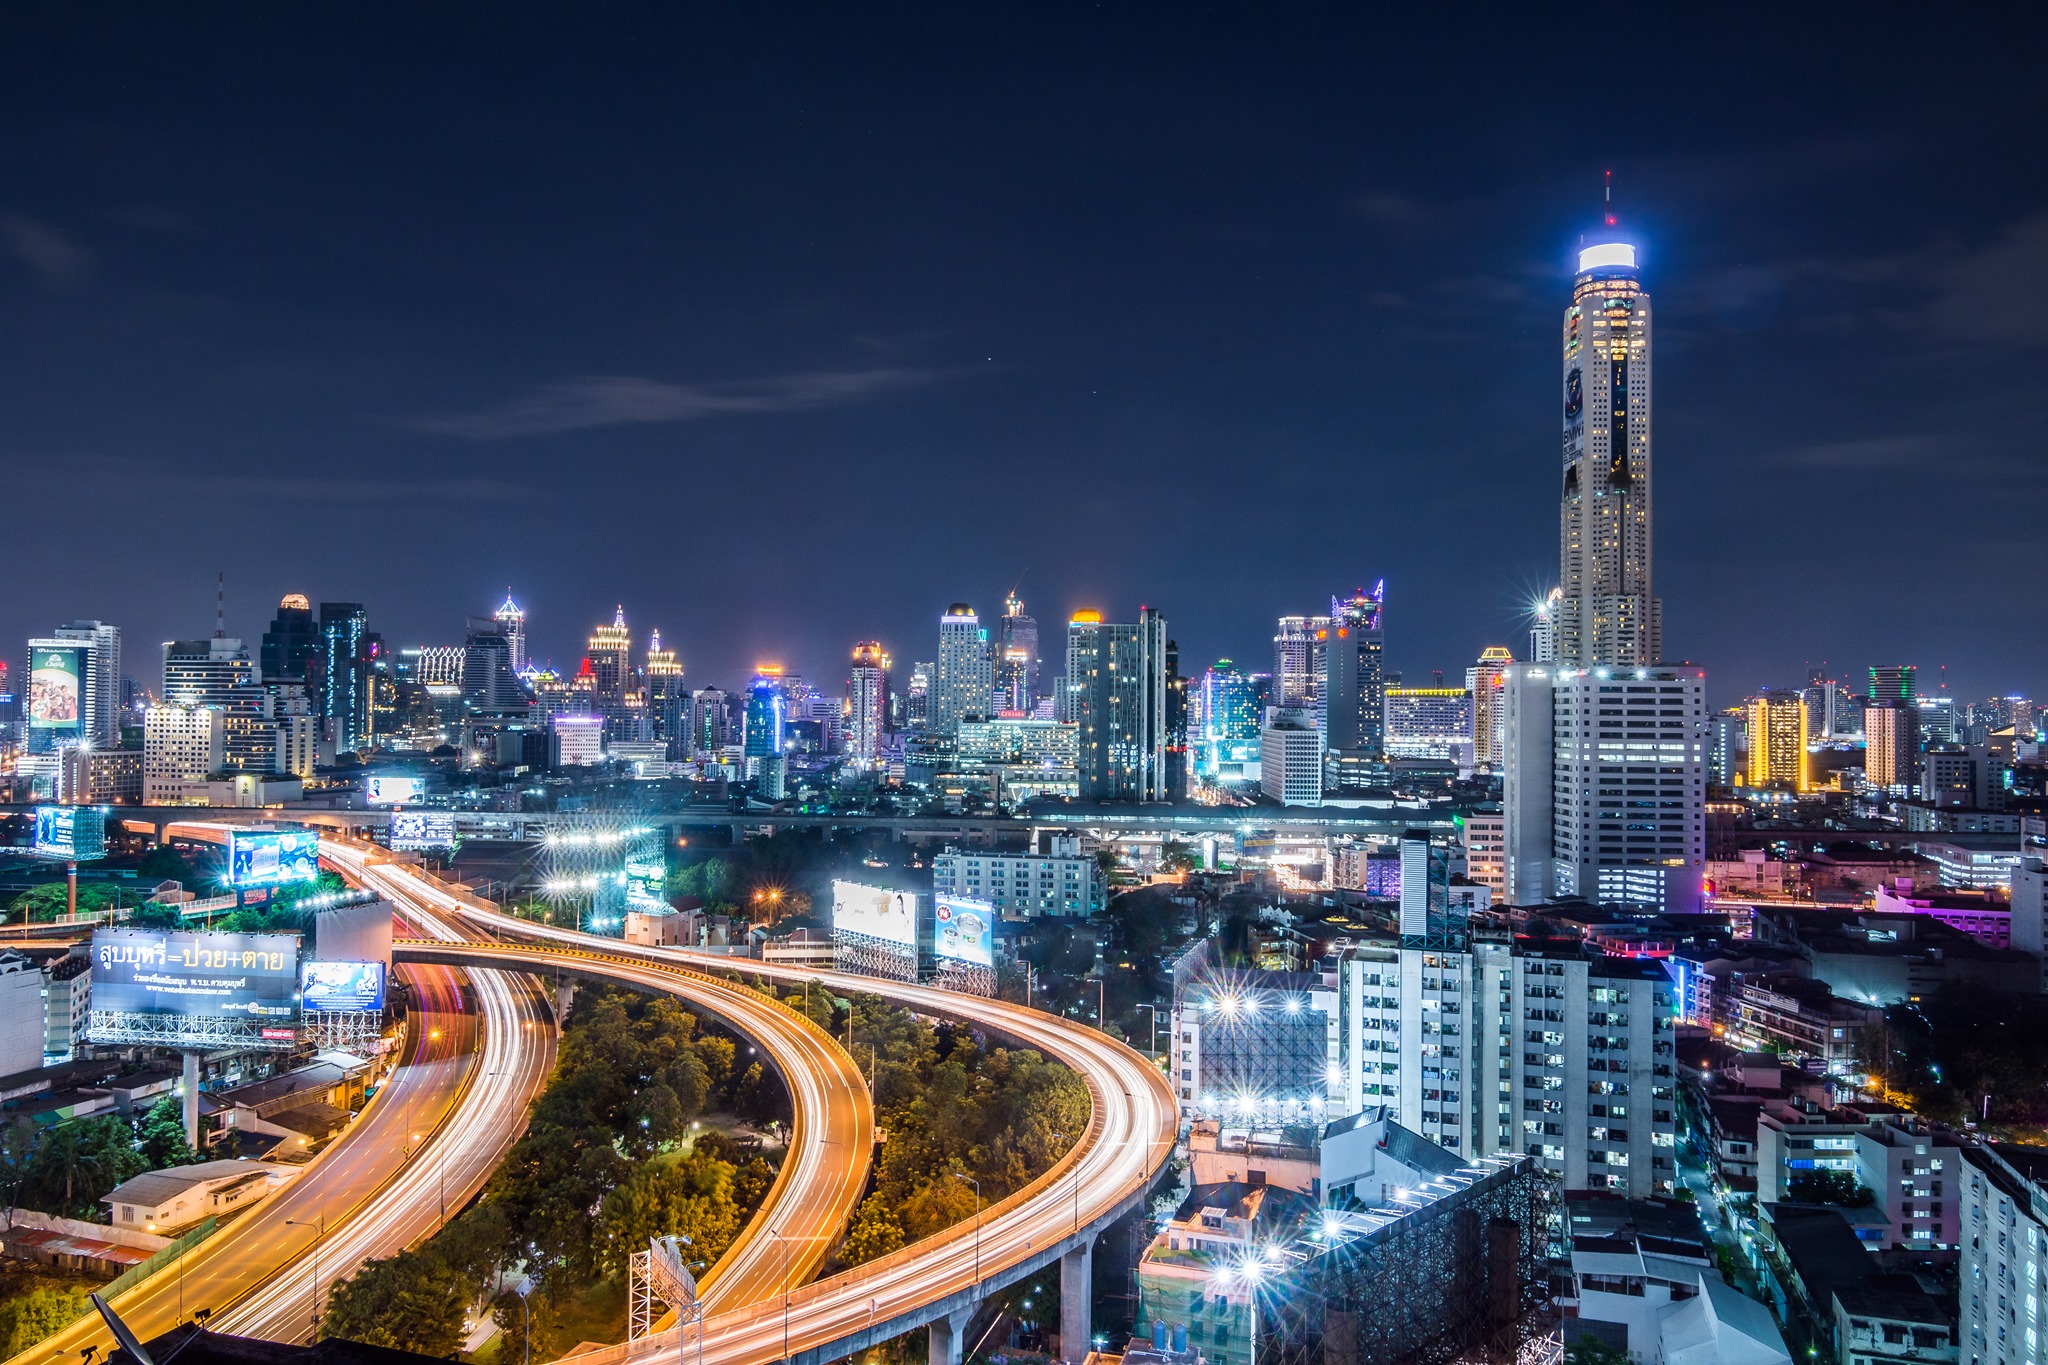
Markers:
point(1823, 1249)
point(192, 1345)
point(1403, 1145)
point(152, 1188)
point(1599, 1214)
point(1894, 1298)
point(1263, 1205)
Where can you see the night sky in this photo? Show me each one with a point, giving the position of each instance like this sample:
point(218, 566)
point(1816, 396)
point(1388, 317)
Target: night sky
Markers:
point(787, 327)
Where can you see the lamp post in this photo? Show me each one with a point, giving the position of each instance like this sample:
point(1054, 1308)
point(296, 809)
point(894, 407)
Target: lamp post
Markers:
point(1153, 1010)
point(957, 1175)
point(319, 1232)
point(1248, 1273)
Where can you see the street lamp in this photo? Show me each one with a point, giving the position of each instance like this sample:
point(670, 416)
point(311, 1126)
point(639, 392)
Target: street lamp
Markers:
point(1249, 1272)
point(319, 1233)
point(1153, 1010)
point(957, 1175)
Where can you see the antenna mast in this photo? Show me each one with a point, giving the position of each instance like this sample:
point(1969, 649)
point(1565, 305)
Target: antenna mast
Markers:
point(220, 609)
point(1610, 198)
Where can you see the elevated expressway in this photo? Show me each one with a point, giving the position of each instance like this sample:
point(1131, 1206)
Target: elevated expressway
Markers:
point(938, 1281)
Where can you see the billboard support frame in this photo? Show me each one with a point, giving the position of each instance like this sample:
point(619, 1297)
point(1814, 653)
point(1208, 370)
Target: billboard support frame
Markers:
point(186, 1032)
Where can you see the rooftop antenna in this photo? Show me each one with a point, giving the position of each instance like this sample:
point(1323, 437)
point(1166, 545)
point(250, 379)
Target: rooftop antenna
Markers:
point(1610, 198)
point(220, 609)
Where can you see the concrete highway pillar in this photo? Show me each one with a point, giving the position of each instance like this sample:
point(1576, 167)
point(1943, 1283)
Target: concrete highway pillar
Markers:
point(1077, 1300)
point(191, 1080)
point(947, 1337)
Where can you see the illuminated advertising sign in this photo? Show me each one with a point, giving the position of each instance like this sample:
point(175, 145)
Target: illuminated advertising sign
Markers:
point(272, 857)
point(56, 696)
point(873, 912)
point(422, 829)
point(75, 833)
point(393, 791)
point(341, 987)
point(248, 977)
point(964, 931)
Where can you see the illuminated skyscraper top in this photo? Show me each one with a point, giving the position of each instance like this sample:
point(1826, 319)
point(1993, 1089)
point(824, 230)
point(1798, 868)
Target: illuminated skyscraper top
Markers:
point(1608, 613)
point(512, 625)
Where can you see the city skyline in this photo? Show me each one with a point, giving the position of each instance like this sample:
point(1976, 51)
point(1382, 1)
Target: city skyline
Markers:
point(458, 369)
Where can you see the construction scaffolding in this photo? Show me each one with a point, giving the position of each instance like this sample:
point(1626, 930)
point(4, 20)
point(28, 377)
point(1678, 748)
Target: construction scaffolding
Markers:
point(1457, 1271)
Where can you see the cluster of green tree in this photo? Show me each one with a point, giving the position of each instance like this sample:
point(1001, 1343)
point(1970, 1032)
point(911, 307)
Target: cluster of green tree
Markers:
point(606, 1163)
point(1966, 1052)
point(951, 1109)
point(28, 1318)
point(65, 1169)
point(1828, 1187)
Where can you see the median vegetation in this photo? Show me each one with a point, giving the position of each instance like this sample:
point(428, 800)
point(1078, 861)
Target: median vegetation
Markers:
point(614, 1153)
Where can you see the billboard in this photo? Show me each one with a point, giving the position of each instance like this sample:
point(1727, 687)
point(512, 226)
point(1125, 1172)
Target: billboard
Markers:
point(248, 977)
point(422, 829)
point(393, 791)
point(964, 931)
point(877, 913)
point(56, 693)
point(77, 833)
point(272, 857)
point(341, 987)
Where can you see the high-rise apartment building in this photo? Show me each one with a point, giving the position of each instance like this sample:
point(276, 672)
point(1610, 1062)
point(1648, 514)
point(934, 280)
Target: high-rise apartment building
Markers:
point(343, 681)
point(1777, 725)
point(1543, 628)
point(1120, 684)
point(1355, 675)
point(1018, 681)
point(182, 746)
point(1291, 758)
point(1891, 745)
point(712, 726)
point(1298, 662)
point(101, 685)
point(512, 625)
point(1429, 722)
point(964, 683)
point(867, 703)
point(1604, 755)
point(288, 647)
point(610, 656)
point(668, 703)
point(1483, 682)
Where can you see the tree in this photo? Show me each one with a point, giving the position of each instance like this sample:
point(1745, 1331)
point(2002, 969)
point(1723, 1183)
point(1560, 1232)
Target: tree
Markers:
point(150, 916)
point(938, 1206)
point(410, 1302)
point(875, 1232)
point(1175, 856)
point(165, 864)
point(162, 1135)
point(1828, 1187)
point(1587, 1349)
point(750, 1184)
point(38, 1314)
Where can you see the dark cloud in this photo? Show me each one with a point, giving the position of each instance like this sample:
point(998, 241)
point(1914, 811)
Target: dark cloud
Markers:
point(44, 250)
point(620, 400)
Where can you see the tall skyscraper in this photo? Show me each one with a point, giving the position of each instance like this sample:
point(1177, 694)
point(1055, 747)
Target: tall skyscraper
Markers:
point(1120, 683)
point(1891, 745)
point(1018, 684)
point(1483, 681)
point(1232, 706)
point(218, 672)
point(102, 681)
point(965, 683)
point(767, 711)
point(1543, 628)
point(1298, 662)
point(917, 697)
point(1894, 682)
point(490, 685)
point(867, 703)
point(1607, 613)
point(1604, 757)
point(344, 674)
point(1778, 728)
point(512, 625)
point(668, 704)
point(611, 675)
point(711, 722)
point(1355, 675)
point(291, 642)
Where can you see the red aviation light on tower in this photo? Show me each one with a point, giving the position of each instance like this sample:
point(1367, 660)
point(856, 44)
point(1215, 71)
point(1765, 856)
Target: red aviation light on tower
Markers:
point(1610, 198)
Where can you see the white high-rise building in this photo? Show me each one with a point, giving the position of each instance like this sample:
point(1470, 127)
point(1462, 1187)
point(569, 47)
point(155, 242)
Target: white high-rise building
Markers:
point(867, 703)
point(512, 625)
point(1483, 682)
point(1604, 747)
point(102, 684)
point(182, 746)
point(965, 681)
point(1291, 758)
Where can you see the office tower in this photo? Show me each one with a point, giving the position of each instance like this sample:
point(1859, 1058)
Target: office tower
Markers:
point(1291, 758)
point(1231, 710)
point(490, 685)
point(1429, 722)
point(1607, 613)
point(1725, 734)
point(917, 696)
point(1832, 710)
point(182, 746)
point(291, 642)
point(1298, 661)
point(102, 681)
point(711, 722)
point(1354, 675)
point(512, 625)
point(1543, 628)
point(611, 676)
point(1018, 685)
point(1119, 693)
point(1482, 682)
point(1937, 719)
point(964, 684)
point(343, 681)
point(1776, 725)
point(1891, 745)
point(867, 703)
point(1427, 920)
point(434, 665)
point(668, 704)
point(1893, 682)
point(218, 672)
point(767, 710)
